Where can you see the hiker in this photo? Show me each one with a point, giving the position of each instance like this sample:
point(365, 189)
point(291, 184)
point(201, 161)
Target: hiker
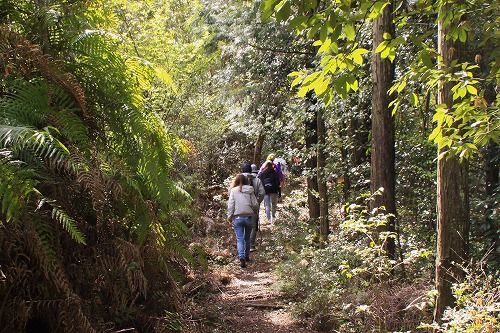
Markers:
point(259, 192)
point(278, 167)
point(281, 166)
point(241, 207)
point(270, 179)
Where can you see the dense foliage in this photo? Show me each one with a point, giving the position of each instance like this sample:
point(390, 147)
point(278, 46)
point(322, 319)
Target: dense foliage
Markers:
point(121, 123)
point(91, 210)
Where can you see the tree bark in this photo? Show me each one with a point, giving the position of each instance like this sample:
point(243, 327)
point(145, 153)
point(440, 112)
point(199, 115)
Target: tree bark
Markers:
point(383, 173)
point(452, 196)
point(257, 155)
point(311, 134)
point(324, 226)
point(491, 166)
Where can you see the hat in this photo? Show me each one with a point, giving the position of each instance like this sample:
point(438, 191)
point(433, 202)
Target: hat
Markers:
point(270, 157)
point(246, 167)
point(255, 169)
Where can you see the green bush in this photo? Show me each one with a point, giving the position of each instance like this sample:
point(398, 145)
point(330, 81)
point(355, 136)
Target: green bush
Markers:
point(477, 305)
point(347, 284)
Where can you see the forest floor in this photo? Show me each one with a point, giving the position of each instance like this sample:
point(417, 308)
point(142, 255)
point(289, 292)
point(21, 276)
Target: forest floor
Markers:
point(248, 300)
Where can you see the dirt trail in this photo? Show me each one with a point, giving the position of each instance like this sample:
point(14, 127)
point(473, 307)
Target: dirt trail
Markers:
point(249, 303)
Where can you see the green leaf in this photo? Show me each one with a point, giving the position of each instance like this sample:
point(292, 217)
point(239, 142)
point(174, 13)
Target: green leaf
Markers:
point(334, 47)
point(296, 81)
point(283, 10)
point(337, 31)
point(341, 86)
point(401, 86)
point(298, 21)
point(322, 86)
point(471, 89)
point(323, 33)
point(462, 35)
point(414, 99)
point(310, 78)
point(426, 59)
point(357, 55)
point(296, 73)
point(333, 19)
point(377, 8)
point(303, 91)
point(350, 33)
point(353, 84)
point(328, 96)
point(382, 46)
point(325, 48)
point(314, 30)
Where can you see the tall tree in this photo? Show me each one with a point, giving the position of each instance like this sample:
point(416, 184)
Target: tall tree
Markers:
point(383, 174)
point(257, 155)
point(324, 225)
point(311, 140)
point(453, 193)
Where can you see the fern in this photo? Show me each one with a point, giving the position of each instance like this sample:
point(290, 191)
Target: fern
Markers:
point(30, 59)
point(33, 104)
point(68, 223)
point(31, 145)
point(54, 98)
point(16, 184)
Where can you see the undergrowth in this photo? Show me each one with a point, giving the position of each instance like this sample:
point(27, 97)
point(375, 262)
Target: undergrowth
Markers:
point(478, 304)
point(347, 284)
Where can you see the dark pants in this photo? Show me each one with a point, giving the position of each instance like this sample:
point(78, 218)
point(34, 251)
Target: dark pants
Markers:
point(255, 229)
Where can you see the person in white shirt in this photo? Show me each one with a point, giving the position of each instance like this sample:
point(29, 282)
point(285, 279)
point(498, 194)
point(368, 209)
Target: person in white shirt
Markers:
point(241, 207)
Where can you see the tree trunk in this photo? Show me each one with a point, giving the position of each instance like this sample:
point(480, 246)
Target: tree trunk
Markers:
point(324, 227)
point(383, 151)
point(491, 167)
point(311, 134)
point(356, 130)
point(257, 155)
point(452, 196)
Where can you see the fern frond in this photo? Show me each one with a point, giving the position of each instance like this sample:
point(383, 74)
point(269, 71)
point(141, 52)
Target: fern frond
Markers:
point(29, 144)
point(21, 57)
point(35, 104)
point(17, 183)
point(171, 238)
point(67, 222)
point(26, 105)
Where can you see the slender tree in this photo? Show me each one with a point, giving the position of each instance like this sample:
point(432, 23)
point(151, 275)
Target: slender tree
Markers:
point(311, 139)
point(452, 192)
point(257, 155)
point(383, 173)
point(324, 225)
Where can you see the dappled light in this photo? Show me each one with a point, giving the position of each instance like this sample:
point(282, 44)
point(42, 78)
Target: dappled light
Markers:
point(268, 166)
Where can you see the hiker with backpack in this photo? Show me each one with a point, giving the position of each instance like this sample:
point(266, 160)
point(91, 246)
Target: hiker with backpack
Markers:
point(241, 207)
point(278, 167)
point(259, 194)
point(271, 181)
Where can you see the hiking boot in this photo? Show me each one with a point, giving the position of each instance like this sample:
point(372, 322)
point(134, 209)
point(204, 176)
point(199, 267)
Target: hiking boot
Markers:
point(247, 259)
point(243, 264)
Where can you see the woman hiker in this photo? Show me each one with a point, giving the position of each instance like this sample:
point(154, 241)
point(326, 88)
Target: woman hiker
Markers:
point(270, 179)
point(241, 207)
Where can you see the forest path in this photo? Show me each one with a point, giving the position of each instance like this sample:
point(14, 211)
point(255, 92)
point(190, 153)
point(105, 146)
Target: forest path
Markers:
point(249, 303)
